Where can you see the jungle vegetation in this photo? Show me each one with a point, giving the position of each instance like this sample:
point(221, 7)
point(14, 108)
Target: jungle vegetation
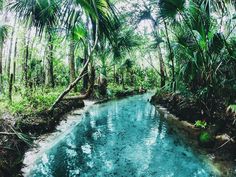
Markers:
point(50, 50)
point(96, 48)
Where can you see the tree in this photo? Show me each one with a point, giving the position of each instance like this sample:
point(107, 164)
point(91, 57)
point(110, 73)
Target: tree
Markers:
point(148, 11)
point(3, 35)
point(201, 49)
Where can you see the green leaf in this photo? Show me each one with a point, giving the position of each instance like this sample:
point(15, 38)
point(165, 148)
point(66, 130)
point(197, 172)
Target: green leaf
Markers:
point(170, 8)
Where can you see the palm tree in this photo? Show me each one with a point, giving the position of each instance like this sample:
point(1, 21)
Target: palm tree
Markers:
point(3, 35)
point(44, 16)
point(124, 39)
point(201, 49)
point(103, 18)
point(147, 12)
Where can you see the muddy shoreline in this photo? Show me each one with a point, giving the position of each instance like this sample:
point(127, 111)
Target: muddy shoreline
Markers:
point(223, 157)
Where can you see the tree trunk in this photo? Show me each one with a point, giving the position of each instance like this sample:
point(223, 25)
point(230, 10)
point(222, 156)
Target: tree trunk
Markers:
point(86, 77)
point(14, 63)
point(81, 75)
point(10, 50)
point(49, 77)
point(1, 56)
point(26, 61)
point(70, 87)
point(10, 87)
point(171, 57)
point(103, 81)
point(161, 61)
point(72, 61)
point(92, 81)
point(162, 66)
point(123, 80)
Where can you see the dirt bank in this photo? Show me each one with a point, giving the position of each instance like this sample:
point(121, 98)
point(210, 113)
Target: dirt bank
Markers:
point(221, 146)
point(14, 145)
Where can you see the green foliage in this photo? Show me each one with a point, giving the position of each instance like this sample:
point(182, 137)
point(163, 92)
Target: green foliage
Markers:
point(232, 108)
point(3, 33)
point(200, 124)
point(205, 137)
point(170, 8)
point(32, 102)
point(113, 89)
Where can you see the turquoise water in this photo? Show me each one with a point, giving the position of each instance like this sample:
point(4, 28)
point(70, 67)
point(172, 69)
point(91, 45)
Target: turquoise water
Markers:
point(124, 138)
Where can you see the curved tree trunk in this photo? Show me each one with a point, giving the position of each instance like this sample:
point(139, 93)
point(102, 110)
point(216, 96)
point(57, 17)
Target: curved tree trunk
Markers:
point(81, 75)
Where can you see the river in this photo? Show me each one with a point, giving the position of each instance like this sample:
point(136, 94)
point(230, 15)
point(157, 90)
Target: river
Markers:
point(119, 138)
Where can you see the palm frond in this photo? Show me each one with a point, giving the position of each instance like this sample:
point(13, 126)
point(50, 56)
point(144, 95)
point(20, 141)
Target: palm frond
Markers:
point(3, 33)
point(170, 8)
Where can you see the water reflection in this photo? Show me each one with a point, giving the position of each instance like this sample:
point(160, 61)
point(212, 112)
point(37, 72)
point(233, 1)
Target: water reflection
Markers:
point(120, 138)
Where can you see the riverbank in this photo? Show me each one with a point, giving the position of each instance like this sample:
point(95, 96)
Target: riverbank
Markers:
point(14, 145)
point(216, 140)
point(21, 130)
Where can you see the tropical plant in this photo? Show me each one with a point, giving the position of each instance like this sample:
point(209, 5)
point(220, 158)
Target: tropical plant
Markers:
point(200, 124)
point(202, 51)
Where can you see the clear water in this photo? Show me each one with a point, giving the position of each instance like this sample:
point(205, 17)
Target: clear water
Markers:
point(121, 138)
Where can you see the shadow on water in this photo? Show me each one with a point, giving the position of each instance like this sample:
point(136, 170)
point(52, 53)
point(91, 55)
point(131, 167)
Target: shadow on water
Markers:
point(120, 138)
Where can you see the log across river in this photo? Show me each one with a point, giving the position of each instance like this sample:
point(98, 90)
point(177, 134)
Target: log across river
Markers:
point(119, 138)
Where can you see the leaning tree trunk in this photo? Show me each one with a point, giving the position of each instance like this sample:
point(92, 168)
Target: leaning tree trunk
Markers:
point(81, 75)
point(71, 86)
point(49, 77)
point(86, 77)
point(72, 61)
point(91, 86)
point(86, 51)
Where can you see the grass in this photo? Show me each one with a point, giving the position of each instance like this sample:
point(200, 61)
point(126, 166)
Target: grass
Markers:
point(28, 102)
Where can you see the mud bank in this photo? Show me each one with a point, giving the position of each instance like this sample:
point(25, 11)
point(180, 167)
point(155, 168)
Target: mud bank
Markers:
point(220, 148)
point(12, 145)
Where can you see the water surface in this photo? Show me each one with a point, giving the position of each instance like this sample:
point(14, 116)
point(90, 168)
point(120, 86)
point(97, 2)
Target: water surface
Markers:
point(120, 138)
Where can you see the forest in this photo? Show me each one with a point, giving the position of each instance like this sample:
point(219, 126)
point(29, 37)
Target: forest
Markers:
point(55, 55)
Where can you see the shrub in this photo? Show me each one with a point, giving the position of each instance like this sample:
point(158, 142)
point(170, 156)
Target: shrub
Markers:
point(200, 124)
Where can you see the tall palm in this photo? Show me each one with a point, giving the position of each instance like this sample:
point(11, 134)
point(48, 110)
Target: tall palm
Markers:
point(44, 16)
point(148, 11)
point(3, 35)
point(202, 53)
